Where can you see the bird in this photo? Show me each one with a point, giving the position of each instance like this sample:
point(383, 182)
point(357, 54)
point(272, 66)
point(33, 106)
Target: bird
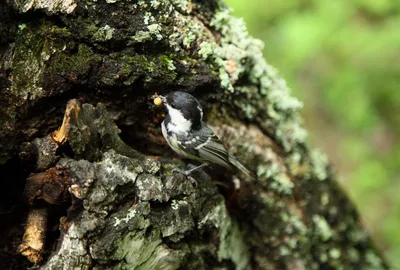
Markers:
point(186, 133)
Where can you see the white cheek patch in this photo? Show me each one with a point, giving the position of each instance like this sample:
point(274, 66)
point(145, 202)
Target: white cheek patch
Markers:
point(178, 123)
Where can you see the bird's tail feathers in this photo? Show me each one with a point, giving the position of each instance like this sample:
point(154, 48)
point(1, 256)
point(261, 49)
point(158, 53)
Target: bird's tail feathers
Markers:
point(237, 164)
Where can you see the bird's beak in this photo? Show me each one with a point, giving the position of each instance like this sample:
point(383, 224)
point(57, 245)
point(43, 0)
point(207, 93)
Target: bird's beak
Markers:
point(164, 99)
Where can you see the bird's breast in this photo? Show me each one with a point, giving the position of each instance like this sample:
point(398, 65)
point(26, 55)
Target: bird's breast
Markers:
point(171, 139)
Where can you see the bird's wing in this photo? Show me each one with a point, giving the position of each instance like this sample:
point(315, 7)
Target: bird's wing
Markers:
point(205, 145)
point(214, 151)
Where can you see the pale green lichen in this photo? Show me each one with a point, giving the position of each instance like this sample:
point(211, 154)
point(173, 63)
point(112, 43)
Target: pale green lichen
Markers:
point(134, 248)
point(357, 235)
point(292, 242)
point(104, 33)
point(373, 260)
point(290, 132)
point(268, 170)
point(237, 46)
point(188, 39)
point(152, 166)
point(155, 3)
point(155, 30)
point(282, 99)
point(206, 49)
point(141, 36)
point(298, 225)
point(126, 172)
point(183, 6)
point(354, 254)
point(170, 64)
point(177, 221)
point(50, 6)
point(322, 227)
point(249, 110)
point(282, 184)
point(233, 44)
point(21, 26)
point(284, 251)
point(175, 205)
point(232, 245)
point(320, 163)
point(149, 187)
point(334, 253)
point(163, 258)
point(268, 200)
point(323, 257)
point(148, 17)
point(295, 157)
point(142, 3)
point(324, 199)
point(223, 74)
point(280, 181)
point(131, 214)
point(187, 29)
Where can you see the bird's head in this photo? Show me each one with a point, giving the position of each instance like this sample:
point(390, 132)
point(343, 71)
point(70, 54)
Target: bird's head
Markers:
point(184, 111)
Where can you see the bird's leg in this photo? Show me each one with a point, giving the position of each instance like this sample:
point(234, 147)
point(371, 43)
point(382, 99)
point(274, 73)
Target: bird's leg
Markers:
point(187, 172)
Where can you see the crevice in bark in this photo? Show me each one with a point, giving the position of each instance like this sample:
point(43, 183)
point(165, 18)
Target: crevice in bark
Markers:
point(13, 213)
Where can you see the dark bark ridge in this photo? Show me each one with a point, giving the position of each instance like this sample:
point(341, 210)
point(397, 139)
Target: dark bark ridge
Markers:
point(120, 53)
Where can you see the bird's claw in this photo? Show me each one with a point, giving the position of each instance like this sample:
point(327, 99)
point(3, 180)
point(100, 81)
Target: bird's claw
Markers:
point(176, 169)
point(185, 173)
point(192, 180)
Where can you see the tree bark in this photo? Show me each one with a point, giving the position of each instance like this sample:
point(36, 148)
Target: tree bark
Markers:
point(126, 209)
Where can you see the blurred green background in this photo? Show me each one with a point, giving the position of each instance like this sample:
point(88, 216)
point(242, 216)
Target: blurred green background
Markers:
point(342, 59)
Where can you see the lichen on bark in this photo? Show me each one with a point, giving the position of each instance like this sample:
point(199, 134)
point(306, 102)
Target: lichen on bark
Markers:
point(135, 213)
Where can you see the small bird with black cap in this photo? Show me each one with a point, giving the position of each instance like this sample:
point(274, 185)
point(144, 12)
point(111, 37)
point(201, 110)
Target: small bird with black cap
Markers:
point(186, 133)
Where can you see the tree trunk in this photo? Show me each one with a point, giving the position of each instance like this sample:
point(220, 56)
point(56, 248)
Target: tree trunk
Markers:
point(97, 63)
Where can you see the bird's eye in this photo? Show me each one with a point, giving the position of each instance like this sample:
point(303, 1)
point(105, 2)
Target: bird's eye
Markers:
point(172, 105)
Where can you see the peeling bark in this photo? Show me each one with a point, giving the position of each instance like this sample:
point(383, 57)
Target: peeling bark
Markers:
point(32, 245)
point(50, 186)
point(127, 209)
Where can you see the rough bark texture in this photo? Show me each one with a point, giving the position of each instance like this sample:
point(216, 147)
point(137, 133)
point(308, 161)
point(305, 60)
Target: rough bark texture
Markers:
point(127, 211)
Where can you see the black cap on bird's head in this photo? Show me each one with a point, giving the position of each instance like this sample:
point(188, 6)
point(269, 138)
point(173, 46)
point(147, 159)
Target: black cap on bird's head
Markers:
point(185, 104)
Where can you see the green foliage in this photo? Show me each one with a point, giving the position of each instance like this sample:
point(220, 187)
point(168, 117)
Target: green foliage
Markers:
point(340, 58)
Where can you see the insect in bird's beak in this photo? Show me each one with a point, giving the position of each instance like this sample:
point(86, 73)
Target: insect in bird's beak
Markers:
point(158, 99)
